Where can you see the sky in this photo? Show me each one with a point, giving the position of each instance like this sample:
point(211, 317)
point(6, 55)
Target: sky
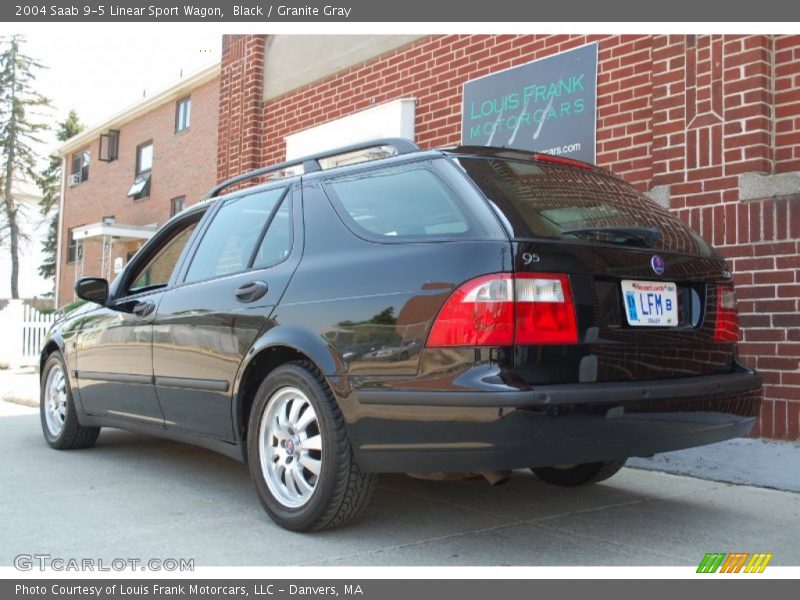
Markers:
point(99, 75)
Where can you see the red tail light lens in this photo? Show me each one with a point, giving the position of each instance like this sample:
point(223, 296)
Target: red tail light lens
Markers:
point(501, 309)
point(545, 310)
point(479, 313)
point(727, 326)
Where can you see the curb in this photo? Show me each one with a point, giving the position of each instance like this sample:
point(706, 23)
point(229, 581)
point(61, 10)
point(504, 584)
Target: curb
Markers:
point(21, 401)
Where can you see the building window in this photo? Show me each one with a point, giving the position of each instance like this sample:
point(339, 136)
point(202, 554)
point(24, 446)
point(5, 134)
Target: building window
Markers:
point(80, 167)
point(176, 205)
point(109, 146)
point(183, 114)
point(73, 248)
point(144, 164)
point(144, 158)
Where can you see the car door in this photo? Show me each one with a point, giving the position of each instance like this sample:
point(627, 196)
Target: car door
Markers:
point(114, 346)
point(205, 325)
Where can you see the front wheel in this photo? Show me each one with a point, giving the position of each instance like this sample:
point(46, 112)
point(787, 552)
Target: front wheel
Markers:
point(300, 455)
point(57, 409)
point(582, 474)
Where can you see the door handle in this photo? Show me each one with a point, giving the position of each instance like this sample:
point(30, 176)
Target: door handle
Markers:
point(251, 291)
point(142, 309)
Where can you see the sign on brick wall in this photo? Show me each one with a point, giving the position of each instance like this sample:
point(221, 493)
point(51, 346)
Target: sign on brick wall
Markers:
point(548, 105)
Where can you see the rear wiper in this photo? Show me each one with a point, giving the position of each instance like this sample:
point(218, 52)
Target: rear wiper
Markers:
point(629, 236)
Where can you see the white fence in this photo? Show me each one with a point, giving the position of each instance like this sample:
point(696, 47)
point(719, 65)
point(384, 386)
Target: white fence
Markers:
point(22, 333)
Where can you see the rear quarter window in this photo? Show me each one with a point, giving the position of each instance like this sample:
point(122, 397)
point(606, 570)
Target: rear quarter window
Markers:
point(396, 204)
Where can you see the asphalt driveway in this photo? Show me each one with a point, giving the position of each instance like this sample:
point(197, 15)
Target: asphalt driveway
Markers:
point(136, 496)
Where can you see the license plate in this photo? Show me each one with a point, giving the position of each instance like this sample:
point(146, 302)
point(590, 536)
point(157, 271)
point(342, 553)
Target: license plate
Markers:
point(650, 303)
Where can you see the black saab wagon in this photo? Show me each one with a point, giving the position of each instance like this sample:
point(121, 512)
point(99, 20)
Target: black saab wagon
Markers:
point(459, 310)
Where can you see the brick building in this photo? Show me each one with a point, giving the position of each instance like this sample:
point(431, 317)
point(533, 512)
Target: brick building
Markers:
point(126, 176)
point(708, 125)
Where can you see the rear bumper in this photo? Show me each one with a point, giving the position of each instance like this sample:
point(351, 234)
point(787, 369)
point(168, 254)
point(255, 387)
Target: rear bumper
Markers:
point(401, 431)
point(573, 393)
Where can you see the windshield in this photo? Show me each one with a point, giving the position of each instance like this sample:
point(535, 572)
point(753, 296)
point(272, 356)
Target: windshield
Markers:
point(539, 200)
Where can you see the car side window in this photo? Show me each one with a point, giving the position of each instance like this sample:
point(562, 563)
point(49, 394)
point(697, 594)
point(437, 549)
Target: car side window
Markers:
point(156, 272)
point(229, 242)
point(391, 204)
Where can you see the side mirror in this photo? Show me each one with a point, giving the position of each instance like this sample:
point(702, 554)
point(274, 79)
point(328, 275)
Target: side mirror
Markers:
point(92, 289)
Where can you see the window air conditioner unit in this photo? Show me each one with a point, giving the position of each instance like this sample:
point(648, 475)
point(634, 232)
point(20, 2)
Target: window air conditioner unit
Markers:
point(75, 178)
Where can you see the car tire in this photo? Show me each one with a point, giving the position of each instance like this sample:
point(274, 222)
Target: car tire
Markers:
point(302, 462)
point(60, 425)
point(582, 474)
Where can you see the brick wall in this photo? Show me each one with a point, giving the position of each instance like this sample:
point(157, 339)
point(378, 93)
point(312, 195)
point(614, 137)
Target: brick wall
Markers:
point(184, 164)
point(786, 52)
point(726, 106)
point(681, 115)
point(241, 106)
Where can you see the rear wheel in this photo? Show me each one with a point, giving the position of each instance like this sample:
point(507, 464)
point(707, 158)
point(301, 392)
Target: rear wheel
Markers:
point(300, 455)
point(57, 409)
point(582, 474)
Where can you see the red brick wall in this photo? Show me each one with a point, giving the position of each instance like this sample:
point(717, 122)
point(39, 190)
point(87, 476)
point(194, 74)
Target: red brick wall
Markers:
point(787, 103)
point(241, 106)
point(184, 164)
point(717, 115)
point(688, 112)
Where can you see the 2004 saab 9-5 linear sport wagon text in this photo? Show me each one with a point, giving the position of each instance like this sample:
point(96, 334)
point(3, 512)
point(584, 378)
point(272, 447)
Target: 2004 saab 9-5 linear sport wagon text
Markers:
point(459, 310)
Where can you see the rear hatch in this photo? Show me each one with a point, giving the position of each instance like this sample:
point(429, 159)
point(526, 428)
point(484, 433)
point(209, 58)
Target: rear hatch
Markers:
point(646, 290)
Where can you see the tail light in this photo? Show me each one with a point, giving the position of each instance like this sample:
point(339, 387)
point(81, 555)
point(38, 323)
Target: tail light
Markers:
point(504, 309)
point(545, 310)
point(727, 326)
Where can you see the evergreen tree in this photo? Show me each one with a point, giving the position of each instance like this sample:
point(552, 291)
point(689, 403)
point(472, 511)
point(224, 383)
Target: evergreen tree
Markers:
point(50, 184)
point(19, 132)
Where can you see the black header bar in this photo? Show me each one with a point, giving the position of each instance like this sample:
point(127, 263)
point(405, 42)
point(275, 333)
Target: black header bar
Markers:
point(417, 11)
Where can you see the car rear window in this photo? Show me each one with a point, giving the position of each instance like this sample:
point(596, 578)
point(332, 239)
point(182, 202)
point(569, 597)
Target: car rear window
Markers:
point(392, 204)
point(538, 200)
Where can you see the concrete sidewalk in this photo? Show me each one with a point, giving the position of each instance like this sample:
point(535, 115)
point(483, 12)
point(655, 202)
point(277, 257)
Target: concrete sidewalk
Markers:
point(20, 386)
point(747, 461)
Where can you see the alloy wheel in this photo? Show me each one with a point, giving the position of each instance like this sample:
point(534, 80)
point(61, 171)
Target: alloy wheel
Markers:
point(290, 447)
point(55, 400)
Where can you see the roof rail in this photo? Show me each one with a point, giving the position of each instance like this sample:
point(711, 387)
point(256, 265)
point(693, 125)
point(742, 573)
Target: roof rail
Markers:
point(311, 164)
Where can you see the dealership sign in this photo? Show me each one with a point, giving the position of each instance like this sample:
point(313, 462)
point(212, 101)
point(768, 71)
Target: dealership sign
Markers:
point(548, 105)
